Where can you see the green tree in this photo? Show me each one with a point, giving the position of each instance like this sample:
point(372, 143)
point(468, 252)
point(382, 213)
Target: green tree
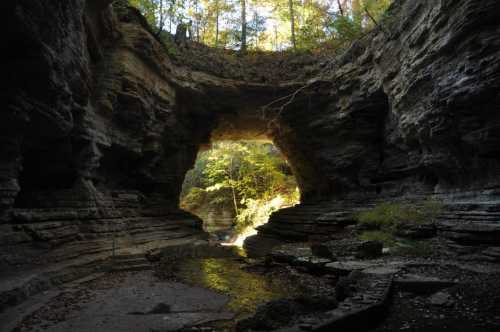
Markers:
point(273, 24)
point(243, 25)
point(247, 175)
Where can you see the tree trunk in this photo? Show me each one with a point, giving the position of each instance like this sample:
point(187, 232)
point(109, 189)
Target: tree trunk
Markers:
point(216, 23)
point(161, 22)
point(341, 9)
point(275, 37)
point(292, 23)
point(235, 202)
point(196, 22)
point(243, 25)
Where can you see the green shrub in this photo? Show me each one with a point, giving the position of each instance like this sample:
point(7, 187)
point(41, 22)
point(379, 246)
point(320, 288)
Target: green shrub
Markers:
point(386, 238)
point(382, 222)
point(397, 246)
point(193, 199)
point(382, 216)
point(389, 216)
point(412, 248)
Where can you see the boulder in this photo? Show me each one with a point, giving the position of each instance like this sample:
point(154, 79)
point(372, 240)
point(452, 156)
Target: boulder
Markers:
point(441, 299)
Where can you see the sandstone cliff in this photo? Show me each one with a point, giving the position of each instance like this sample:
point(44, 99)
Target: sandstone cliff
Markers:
point(102, 122)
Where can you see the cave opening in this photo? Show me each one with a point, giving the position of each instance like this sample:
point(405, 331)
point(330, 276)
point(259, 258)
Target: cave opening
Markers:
point(235, 185)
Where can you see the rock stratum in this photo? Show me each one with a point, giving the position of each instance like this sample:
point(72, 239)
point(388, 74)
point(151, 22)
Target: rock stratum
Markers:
point(102, 121)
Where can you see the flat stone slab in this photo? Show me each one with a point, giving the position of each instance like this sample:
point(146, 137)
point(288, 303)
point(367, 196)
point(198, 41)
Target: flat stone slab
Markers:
point(383, 270)
point(129, 305)
point(378, 267)
point(349, 266)
point(356, 312)
point(290, 252)
point(311, 262)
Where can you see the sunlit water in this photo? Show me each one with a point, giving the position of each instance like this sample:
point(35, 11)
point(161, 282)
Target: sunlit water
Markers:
point(246, 290)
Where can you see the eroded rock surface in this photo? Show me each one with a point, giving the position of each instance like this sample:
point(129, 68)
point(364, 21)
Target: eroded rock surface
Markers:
point(101, 124)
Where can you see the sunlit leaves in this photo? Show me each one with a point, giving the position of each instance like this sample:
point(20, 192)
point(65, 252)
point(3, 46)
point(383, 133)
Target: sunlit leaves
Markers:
point(218, 23)
point(244, 175)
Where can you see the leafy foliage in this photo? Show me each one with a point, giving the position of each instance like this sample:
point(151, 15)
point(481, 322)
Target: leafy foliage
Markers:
point(384, 220)
point(249, 176)
point(390, 216)
point(269, 24)
point(386, 238)
point(397, 246)
point(194, 199)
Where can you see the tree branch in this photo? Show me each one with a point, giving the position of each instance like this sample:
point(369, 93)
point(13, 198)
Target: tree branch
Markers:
point(340, 8)
point(370, 16)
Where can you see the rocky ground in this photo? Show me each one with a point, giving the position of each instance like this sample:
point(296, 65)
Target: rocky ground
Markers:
point(471, 305)
point(127, 301)
point(292, 289)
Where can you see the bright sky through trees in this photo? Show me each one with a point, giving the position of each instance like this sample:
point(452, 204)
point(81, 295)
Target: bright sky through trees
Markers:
point(270, 24)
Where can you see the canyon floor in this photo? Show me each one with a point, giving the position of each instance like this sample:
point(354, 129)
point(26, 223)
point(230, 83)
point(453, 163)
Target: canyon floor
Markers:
point(292, 292)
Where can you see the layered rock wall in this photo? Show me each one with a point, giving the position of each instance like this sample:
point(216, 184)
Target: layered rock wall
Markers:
point(93, 151)
point(102, 122)
point(412, 112)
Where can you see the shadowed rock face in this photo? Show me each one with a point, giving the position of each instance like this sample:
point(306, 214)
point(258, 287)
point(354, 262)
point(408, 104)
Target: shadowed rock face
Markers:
point(101, 124)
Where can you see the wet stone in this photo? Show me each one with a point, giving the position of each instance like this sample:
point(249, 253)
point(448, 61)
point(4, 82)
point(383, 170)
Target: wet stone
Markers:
point(441, 299)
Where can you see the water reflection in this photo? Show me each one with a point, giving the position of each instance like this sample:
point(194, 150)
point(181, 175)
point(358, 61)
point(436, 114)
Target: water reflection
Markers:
point(247, 290)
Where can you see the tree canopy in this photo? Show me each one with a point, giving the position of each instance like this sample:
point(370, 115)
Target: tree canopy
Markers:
point(266, 24)
point(252, 178)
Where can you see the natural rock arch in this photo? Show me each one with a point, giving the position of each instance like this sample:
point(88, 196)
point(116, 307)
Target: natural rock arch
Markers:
point(102, 123)
point(307, 149)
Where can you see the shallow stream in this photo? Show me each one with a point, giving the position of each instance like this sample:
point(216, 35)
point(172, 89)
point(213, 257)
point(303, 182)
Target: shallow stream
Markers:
point(246, 289)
